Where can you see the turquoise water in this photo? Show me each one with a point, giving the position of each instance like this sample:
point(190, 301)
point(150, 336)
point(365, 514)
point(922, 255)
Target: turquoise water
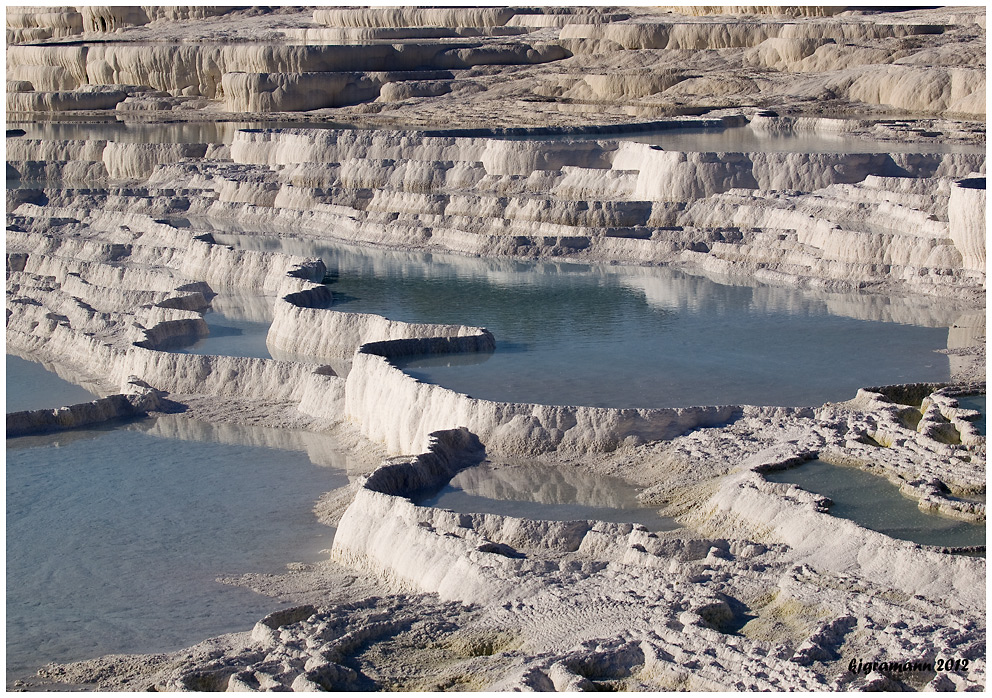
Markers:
point(545, 493)
point(115, 536)
point(874, 502)
point(974, 402)
point(613, 336)
point(31, 386)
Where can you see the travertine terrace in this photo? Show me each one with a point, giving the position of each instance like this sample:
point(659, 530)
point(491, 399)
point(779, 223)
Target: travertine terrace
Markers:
point(460, 132)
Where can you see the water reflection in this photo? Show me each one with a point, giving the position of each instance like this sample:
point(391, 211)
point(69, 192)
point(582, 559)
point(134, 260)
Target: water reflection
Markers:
point(977, 403)
point(875, 503)
point(238, 323)
point(115, 536)
point(545, 493)
point(34, 385)
point(602, 335)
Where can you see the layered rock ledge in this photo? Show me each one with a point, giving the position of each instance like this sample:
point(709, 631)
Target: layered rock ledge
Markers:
point(538, 65)
point(501, 133)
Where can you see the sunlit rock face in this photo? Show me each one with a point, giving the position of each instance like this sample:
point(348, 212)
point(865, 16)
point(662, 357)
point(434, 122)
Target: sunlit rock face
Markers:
point(504, 132)
point(487, 65)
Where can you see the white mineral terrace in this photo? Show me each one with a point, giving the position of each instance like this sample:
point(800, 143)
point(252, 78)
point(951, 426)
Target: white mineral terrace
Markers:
point(140, 139)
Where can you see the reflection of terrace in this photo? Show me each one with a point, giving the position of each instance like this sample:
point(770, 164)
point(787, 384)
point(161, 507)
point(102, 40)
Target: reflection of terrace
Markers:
point(546, 485)
point(322, 449)
point(662, 287)
point(35, 385)
point(545, 492)
point(244, 306)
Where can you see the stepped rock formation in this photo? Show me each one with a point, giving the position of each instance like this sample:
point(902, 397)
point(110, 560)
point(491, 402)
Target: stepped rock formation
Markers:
point(511, 133)
point(582, 64)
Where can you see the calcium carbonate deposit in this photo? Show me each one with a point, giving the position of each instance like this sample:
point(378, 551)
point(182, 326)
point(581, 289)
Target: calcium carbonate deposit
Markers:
point(175, 177)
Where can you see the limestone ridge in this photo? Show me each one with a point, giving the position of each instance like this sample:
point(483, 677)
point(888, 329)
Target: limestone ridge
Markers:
point(539, 65)
point(914, 220)
point(476, 149)
point(101, 411)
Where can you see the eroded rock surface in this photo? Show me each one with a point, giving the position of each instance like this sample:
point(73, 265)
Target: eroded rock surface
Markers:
point(761, 588)
point(569, 64)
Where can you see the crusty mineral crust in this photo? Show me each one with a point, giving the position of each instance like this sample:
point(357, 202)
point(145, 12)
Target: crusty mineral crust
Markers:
point(761, 589)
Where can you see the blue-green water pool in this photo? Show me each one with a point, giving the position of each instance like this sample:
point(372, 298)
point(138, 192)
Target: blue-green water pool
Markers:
point(874, 502)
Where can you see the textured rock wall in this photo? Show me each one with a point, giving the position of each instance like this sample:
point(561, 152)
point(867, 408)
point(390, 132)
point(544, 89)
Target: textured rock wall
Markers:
point(400, 412)
point(250, 77)
point(796, 522)
point(113, 407)
point(322, 333)
point(644, 61)
point(966, 209)
point(414, 17)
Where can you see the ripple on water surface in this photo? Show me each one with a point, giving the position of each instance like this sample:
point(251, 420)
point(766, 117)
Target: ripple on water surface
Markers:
point(115, 536)
point(874, 502)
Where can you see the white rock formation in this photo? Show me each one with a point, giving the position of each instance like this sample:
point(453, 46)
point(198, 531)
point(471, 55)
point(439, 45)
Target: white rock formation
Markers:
point(107, 409)
point(966, 211)
point(919, 60)
point(762, 589)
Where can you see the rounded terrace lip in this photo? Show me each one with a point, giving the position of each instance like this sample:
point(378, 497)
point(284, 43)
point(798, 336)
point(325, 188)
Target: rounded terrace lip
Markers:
point(372, 382)
point(839, 151)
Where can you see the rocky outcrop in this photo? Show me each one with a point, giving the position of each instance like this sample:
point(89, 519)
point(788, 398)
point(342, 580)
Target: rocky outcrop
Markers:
point(607, 64)
point(101, 411)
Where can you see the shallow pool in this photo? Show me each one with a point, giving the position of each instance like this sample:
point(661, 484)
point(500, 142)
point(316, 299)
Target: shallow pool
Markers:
point(614, 336)
point(874, 502)
point(545, 493)
point(975, 402)
point(230, 337)
point(33, 386)
point(239, 324)
point(115, 536)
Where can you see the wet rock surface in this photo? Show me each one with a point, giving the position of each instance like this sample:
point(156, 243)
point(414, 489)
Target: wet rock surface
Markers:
point(760, 588)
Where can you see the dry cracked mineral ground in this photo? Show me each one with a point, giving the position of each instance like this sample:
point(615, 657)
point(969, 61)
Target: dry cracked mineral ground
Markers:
point(487, 348)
